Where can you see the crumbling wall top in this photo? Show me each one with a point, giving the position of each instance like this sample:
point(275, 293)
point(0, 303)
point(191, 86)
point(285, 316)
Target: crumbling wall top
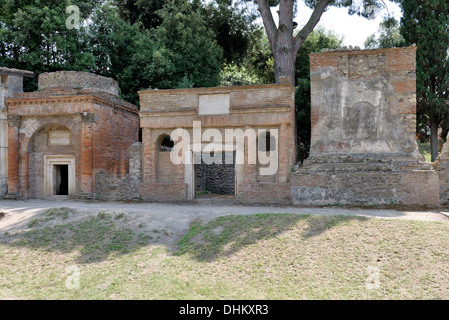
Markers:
point(77, 80)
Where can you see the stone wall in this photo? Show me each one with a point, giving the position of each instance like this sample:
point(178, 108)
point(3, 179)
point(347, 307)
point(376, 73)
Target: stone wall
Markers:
point(77, 80)
point(116, 188)
point(442, 167)
point(363, 144)
point(216, 178)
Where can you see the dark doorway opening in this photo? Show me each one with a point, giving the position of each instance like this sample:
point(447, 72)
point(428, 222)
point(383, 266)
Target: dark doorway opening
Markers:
point(62, 180)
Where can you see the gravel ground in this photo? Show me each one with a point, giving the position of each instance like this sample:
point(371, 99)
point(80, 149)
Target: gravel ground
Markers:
point(176, 218)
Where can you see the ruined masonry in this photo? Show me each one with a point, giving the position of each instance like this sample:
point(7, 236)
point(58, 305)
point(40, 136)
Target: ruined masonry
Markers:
point(363, 144)
point(11, 82)
point(76, 138)
point(64, 135)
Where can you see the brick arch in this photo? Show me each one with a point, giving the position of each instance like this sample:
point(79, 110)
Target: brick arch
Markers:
point(161, 139)
point(165, 169)
point(32, 158)
point(51, 125)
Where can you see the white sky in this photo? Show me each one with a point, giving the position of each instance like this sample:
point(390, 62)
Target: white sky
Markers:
point(354, 29)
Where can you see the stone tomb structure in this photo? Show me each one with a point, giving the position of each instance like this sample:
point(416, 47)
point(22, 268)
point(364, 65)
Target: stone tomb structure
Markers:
point(75, 138)
point(11, 82)
point(60, 137)
point(205, 115)
point(363, 144)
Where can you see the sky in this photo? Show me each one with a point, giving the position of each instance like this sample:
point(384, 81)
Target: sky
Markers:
point(354, 29)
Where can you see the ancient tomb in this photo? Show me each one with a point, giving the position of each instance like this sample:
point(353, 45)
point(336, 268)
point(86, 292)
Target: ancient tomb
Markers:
point(11, 83)
point(60, 137)
point(223, 134)
point(363, 145)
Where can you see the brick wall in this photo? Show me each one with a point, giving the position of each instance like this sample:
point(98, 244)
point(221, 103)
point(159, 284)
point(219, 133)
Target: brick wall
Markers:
point(113, 135)
point(250, 107)
point(102, 128)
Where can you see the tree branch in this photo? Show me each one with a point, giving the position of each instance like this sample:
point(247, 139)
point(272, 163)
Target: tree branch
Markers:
point(268, 21)
point(310, 25)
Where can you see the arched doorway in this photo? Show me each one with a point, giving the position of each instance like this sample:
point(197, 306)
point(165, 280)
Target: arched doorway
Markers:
point(52, 154)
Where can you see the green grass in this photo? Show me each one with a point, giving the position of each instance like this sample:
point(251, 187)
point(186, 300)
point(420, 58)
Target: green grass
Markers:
point(94, 238)
point(265, 256)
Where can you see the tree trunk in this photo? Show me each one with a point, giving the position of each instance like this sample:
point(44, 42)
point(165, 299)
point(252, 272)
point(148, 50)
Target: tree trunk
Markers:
point(283, 44)
point(284, 64)
point(433, 136)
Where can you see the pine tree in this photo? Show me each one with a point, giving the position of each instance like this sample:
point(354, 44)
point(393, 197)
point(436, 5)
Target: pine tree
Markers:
point(426, 23)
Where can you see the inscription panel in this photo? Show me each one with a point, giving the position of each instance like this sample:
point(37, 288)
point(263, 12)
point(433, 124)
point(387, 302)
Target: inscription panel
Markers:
point(59, 138)
point(214, 104)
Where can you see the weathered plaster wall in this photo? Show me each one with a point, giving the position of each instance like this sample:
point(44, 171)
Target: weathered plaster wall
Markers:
point(363, 148)
point(116, 188)
point(442, 167)
point(77, 80)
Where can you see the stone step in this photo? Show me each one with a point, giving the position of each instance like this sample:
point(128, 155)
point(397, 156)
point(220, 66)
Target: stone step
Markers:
point(215, 201)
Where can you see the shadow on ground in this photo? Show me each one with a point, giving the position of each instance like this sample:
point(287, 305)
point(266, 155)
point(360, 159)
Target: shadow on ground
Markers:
point(98, 237)
point(226, 235)
point(95, 237)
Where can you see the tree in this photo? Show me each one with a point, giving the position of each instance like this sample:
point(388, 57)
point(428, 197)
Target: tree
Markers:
point(426, 23)
point(143, 11)
point(234, 27)
point(284, 44)
point(388, 35)
point(112, 42)
point(189, 45)
point(34, 36)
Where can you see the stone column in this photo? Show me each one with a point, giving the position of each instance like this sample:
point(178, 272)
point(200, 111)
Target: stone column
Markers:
point(13, 154)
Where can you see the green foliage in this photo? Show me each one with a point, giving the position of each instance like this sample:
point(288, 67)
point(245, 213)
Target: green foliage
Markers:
point(113, 43)
point(34, 36)
point(426, 23)
point(388, 36)
point(364, 8)
point(261, 62)
point(234, 28)
point(141, 11)
point(190, 46)
point(169, 44)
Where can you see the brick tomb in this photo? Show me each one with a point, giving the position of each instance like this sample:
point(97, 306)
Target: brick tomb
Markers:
point(60, 137)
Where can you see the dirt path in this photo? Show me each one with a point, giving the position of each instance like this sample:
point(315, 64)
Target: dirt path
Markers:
point(176, 218)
